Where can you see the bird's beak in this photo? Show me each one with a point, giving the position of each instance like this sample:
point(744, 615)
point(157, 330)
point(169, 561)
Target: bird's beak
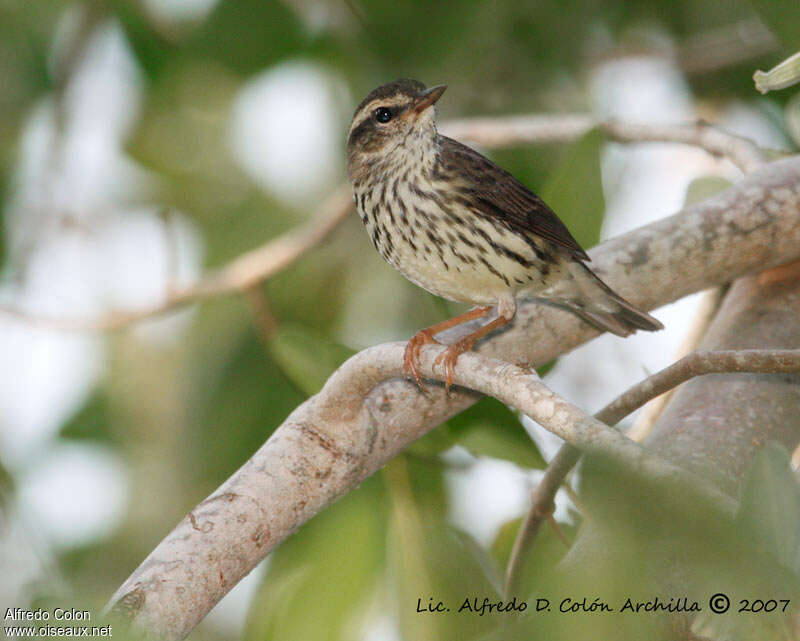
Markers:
point(428, 97)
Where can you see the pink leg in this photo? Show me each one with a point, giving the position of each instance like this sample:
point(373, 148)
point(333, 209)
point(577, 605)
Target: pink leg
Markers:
point(450, 356)
point(426, 336)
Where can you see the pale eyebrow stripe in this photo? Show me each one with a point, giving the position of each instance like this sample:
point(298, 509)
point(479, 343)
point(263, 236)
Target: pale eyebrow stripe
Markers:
point(391, 102)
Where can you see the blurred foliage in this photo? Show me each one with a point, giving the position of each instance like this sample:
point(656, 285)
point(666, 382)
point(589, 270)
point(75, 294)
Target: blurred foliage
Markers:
point(581, 209)
point(244, 35)
point(306, 358)
point(185, 416)
point(769, 513)
point(93, 421)
point(782, 17)
point(488, 428)
point(540, 568)
point(413, 559)
point(324, 576)
point(705, 187)
point(428, 558)
point(250, 397)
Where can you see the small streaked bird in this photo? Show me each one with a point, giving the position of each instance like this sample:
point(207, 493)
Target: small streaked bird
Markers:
point(459, 226)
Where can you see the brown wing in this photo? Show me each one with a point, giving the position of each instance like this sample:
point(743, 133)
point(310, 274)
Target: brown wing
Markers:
point(497, 194)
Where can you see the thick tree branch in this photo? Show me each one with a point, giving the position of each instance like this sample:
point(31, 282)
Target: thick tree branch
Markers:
point(513, 385)
point(252, 267)
point(356, 423)
point(695, 364)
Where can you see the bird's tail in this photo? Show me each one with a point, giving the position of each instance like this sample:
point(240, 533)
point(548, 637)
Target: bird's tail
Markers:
point(600, 306)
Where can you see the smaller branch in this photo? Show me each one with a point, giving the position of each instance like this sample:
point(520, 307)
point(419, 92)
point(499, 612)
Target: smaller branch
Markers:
point(696, 364)
point(706, 311)
point(750, 361)
point(742, 152)
point(263, 318)
point(524, 390)
point(505, 131)
point(239, 275)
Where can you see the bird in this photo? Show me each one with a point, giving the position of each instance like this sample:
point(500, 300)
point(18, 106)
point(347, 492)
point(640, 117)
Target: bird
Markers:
point(457, 225)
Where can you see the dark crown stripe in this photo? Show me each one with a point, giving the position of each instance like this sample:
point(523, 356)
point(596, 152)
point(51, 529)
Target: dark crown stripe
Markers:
point(403, 86)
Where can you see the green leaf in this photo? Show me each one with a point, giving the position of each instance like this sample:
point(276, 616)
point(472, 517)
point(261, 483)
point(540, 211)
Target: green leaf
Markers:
point(574, 189)
point(320, 580)
point(429, 560)
point(791, 119)
point(489, 428)
point(246, 398)
point(150, 48)
point(3, 249)
point(244, 35)
point(471, 548)
point(545, 554)
point(703, 188)
point(434, 442)
point(248, 35)
point(405, 35)
point(769, 511)
point(93, 421)
point(307, 358)
point(543, 370)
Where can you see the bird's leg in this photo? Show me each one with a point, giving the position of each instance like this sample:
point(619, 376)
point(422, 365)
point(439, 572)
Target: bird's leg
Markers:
point(426, 336)
point(506, 310)
point(451, 354)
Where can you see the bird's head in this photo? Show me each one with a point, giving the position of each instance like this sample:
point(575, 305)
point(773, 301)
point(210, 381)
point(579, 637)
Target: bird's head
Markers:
point(393, 118)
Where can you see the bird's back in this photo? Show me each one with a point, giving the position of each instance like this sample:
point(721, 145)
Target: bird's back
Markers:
point(498, 195)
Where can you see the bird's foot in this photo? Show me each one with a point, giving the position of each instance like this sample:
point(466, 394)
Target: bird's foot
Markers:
point(449, 357)
point(451, 354)
point(411, 355)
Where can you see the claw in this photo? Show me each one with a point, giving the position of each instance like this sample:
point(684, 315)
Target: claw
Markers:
point(411, 355)
point(449, 357)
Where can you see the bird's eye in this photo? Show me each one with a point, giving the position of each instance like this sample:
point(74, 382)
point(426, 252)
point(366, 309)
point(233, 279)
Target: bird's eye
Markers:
point(383, 114)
